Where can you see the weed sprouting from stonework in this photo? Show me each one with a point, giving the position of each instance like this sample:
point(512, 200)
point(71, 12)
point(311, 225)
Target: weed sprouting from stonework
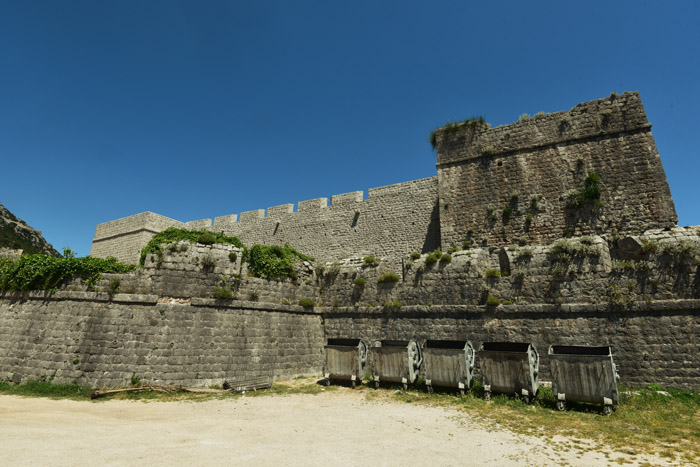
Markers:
point(223, 293)
point(371, 261)
point(388, 278)
point(452, 128)
point(588, 195)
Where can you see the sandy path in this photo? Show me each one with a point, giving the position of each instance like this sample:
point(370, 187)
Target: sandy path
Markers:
point(333, 428)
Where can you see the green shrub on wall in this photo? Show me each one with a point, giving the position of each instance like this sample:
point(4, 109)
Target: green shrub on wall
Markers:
point(273, 261)
point(42, 272)
point(173, 235)
point(388, 278)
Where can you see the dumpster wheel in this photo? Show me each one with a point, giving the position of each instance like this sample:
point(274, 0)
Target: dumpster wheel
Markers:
point(525, 399)
point(607, 410)
point(561, 405)
point(487, 395)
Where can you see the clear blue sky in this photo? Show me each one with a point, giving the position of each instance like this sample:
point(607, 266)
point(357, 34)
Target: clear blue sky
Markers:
point(198, 109)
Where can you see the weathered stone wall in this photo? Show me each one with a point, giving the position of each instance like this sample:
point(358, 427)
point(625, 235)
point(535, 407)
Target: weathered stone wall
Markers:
point(100, 340)
point(513, 182)
point(124, 238)
point(576, 270)
point(394, 220)
point(652, 343)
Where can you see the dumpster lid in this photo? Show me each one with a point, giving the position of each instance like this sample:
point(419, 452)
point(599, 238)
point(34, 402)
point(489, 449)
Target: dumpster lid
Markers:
point(348, 341)
point(506, 346)
point(392, 343)
point(445, 344)
point(579, 350)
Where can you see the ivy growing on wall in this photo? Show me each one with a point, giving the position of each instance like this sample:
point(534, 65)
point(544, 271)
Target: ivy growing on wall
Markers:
point(42, 272)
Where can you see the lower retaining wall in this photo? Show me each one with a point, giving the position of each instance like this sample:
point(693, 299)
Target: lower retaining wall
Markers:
point(100, 340)
point(656, 342)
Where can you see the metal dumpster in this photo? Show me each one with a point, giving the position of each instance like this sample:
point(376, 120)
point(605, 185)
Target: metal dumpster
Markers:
point(448, 364)
point(510, 367)
point(395, 361)
point(345, 360)
point(584, 374)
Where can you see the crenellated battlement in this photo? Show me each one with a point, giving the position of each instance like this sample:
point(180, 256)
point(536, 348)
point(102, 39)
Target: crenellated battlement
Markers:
point(394, 220)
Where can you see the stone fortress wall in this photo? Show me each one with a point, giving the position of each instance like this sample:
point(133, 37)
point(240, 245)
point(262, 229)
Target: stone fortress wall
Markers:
point(625, 277)
point(513, 182)
point(495, 186)
point(393, 221)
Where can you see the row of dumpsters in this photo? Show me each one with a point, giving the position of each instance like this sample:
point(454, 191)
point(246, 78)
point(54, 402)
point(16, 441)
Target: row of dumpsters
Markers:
point(579, 373)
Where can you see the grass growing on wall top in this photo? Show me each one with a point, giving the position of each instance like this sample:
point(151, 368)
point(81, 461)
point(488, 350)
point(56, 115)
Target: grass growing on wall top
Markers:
point(173, 235)
point(451, 128)
point(43, 272)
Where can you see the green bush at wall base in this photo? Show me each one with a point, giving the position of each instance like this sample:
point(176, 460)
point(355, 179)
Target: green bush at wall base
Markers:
point(307, 302)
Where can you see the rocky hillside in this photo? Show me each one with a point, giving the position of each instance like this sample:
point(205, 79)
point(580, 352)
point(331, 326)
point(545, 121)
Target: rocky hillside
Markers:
point(17, 235)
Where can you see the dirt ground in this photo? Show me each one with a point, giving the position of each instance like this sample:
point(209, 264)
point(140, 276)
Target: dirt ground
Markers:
point(338, 427)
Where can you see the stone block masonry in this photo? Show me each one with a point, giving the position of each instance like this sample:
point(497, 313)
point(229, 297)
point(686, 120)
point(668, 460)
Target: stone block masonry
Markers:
point(99, 340)
point(124, 238)
point(494, 187)
point(395, 220)
point(498, 185)
point(670, 355)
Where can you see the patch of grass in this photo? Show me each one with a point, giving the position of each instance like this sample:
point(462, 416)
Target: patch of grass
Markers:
point(565, 249)
point(445, 258)
point(453, 128)
point(649, 245)
point(493, 301)
point(114, 285)
point(371, 261)
point(415, 255)
point(493, 273)
point(588, 194)
point(208, 261)
point(433, 257)
point(223, 293)
point(360, 282)
point(46, 388)
point(388, 278)
point(232, 256)
point(505, 215)
point(645, 422)
point(391, 304)
point(307, 302)
point(206, 238)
